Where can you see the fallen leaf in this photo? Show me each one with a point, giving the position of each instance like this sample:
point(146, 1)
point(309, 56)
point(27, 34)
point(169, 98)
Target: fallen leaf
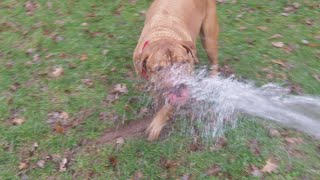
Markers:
point(113, 161)
point(220, 143)
point(275, 36)
point(242, 28)
point(84, 57)
point(30, 7)
point(36, 58)
point(185, 177)
point(57, 116)
point(296, 5)
point(63, 165)
point(295, 89)
point(289, 9)
point(41, 163)
point(317, 77)
point(285, 14)
point(87, 82)
point(305, 42)
point(274, 133)
point(291, 140)
point(105, 52)
point(270, 166)
point(15, 86)
point(170, 165)
point(58, 128)
point(143, 111)
point(33, 149)
point(57, 72)
point(120, 141)
point(213, 170)
point(279, 62)
point(9, 64)
point(283, 63)
point(309, 22)
point(195, 147)
point(120, 88)
point(262, 28)
point(113, 69)
point(278, 44)
point(23, 165)
point(290, 48)
point(84, 24)
point(18, 121)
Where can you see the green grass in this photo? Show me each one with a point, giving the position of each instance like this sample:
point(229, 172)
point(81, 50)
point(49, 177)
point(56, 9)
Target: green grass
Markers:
point(115, 26)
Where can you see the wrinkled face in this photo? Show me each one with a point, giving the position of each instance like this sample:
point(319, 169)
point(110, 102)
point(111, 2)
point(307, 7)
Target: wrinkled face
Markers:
point(162, 63)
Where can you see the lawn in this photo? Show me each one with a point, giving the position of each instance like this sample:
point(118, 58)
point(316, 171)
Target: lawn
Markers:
point(66, 76)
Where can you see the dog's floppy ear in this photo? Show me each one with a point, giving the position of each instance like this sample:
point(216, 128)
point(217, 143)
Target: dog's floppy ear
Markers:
point(191, 49)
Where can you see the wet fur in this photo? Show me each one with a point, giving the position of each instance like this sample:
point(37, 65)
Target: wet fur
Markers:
point(168, 37)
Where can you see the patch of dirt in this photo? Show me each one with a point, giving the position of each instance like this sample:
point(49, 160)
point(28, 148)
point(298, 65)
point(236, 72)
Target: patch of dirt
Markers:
point(129, 130)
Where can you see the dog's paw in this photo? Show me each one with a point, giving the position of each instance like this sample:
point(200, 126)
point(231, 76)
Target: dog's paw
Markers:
point(154, 130)
point(214, 71)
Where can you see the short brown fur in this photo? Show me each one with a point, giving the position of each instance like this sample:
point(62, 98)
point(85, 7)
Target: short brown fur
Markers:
point(169, 36)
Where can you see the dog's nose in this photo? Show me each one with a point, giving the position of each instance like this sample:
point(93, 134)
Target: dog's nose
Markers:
point(179, 89)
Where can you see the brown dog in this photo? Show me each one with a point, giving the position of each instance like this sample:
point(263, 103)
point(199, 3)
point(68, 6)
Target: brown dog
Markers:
point(168, 38)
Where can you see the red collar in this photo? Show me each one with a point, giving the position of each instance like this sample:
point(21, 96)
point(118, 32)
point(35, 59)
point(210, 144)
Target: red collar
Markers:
point(144, 70)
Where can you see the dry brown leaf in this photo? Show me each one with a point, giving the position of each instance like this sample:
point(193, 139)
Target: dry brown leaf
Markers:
point(274, 133)
point(278, 44)
point(270, 166)
point(279, 62)
point(120, 140)
point(263, 28)
point(120, 88)
point(220, 143)
point(84, 57)
point(291, 140)
point(63, 165)
point(213, 170)
point(295, 89)
point(58, 128)
point(18, 121)
point(275, 36)
point(41, 163)
point(113, 161)
point(309, 22)
point(57, 72)
point(23, 165)
point(30, 7)
point(317, 77)
point(290, 48)
point(242, 28)
point(15, 86)
point(87, 82)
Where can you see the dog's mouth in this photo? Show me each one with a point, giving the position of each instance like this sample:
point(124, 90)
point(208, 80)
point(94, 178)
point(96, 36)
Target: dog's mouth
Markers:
point(177, 95)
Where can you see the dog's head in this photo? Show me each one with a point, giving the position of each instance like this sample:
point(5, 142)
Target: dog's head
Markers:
point(156, 61)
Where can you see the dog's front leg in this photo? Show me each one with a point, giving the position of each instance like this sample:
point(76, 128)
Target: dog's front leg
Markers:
point(159, 121)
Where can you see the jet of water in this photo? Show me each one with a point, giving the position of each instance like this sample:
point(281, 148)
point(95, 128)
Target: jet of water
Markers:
point(215, 100)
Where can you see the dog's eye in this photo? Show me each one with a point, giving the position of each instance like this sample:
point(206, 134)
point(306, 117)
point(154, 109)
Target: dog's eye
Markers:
point(159, 68)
